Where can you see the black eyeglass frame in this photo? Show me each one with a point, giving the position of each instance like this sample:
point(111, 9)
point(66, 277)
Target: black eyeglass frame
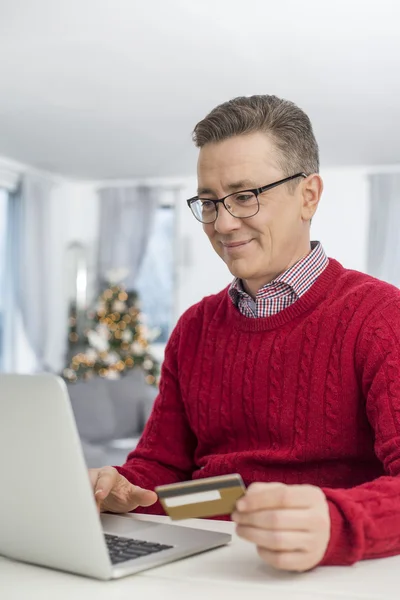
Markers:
point(255, 191)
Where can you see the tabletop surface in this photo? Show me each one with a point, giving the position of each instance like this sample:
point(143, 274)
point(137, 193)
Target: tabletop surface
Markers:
point(227, 572)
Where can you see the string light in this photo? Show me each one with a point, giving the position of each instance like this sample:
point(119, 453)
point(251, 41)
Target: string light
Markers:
point(112, 320)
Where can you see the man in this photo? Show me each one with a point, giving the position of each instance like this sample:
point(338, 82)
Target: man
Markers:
point(291, 376)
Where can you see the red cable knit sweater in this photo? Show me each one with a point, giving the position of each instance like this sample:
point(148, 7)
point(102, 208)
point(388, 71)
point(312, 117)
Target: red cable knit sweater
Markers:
point(310, 395)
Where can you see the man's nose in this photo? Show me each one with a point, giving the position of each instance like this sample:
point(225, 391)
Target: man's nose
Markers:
point(225, 222)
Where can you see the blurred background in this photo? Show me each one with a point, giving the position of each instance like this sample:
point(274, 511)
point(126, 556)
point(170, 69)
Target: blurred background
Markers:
point(99, 253)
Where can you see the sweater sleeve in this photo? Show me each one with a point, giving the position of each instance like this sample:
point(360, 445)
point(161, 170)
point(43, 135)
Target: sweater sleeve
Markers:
point(165, 452)
point(365, 520)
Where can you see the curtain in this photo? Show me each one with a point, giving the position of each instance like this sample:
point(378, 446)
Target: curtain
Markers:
point(8, 292)
point(126, 218)
point(35, 264)
point(10, 324)
point(384, 228)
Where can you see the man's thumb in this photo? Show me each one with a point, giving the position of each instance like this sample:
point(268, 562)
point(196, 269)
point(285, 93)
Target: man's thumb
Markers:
point(142, 497)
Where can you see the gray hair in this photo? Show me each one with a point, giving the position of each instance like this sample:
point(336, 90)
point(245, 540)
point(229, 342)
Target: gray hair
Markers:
point(287, 125)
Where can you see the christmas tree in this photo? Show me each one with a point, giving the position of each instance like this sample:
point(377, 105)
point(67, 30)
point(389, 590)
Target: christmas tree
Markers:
point(115, 340)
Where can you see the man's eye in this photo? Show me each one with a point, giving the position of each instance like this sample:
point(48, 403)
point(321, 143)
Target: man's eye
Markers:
point(242, 198)
point(207, 204)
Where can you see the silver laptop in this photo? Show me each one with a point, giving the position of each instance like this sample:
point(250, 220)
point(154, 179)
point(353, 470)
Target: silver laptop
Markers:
point(48, 514)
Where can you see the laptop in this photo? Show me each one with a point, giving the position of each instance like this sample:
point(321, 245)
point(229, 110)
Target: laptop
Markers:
point(48, 514)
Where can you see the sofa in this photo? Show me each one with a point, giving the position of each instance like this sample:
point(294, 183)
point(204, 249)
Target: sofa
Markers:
point(110, 415)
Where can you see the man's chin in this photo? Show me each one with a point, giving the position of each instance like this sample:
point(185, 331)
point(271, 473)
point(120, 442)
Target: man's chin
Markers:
point(241, 271)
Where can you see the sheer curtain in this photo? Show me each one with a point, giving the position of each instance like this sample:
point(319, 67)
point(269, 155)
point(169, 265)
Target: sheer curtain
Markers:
point(126, 218)
point(3, 262)
point(35, 254)
point(384, 229)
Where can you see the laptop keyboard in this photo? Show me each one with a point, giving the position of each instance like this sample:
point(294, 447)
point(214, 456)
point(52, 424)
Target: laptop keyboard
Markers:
point(122, 549)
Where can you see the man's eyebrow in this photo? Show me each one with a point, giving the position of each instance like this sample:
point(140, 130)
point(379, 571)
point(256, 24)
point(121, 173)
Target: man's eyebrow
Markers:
point(243, 184)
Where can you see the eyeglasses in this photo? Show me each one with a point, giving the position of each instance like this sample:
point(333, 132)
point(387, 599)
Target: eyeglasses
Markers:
point(242, 205)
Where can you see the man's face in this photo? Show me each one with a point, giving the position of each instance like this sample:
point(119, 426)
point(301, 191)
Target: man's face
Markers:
point(278, 235)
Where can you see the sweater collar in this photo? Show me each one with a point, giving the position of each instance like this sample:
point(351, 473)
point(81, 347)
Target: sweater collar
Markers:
point(309, 300)
point(285, 289)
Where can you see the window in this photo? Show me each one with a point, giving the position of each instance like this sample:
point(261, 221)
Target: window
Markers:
point(3, 217)
point(155, 284)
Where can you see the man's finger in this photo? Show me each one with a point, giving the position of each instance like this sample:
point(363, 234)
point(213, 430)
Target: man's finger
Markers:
point(105, 482)
point(262, 496)
point(288, 519)
point(286, 561)
point(276, 541)
point(98, 504)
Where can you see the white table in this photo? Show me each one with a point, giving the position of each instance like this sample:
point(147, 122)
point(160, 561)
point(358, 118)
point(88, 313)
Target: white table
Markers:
point(234, 572)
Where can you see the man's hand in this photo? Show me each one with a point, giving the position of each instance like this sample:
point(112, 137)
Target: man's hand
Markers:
point(114, 493)
point(289, 524)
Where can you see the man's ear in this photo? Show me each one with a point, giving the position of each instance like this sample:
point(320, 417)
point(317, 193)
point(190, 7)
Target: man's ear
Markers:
point(311, 191)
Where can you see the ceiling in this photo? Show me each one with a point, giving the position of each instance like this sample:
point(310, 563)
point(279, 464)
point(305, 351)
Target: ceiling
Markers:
point(99, 89)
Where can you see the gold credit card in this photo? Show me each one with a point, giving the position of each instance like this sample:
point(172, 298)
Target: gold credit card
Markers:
point(209, 497)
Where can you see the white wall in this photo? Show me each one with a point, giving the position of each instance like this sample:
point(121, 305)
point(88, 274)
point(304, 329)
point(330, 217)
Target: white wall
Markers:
point(81, 224)
point(342, 219)
point(75, 218)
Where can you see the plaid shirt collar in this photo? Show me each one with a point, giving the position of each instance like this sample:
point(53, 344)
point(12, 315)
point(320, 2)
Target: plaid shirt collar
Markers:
point(283, 291)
